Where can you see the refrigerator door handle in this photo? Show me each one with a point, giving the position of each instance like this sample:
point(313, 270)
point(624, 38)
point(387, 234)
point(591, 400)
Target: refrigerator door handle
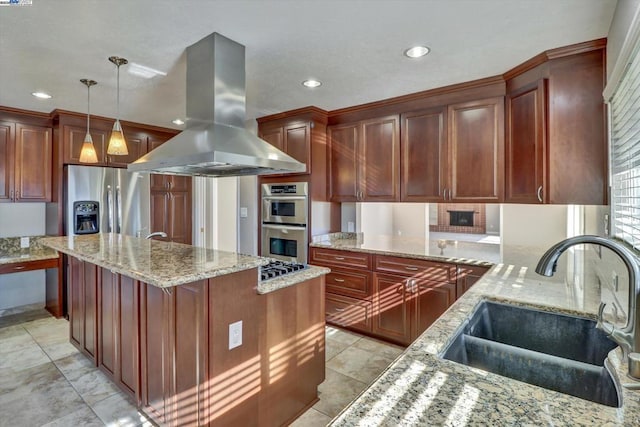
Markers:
point(118, 209)
point(110, 209)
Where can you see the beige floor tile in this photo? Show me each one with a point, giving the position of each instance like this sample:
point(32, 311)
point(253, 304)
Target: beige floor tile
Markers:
point(340, 335)
point(118, 411)
point(336, 392)
point(311, 418)
point(83, 417)
point(333, 348)
point(359, 364)
point(92, 385)
point(25, 356)
point(379, 347)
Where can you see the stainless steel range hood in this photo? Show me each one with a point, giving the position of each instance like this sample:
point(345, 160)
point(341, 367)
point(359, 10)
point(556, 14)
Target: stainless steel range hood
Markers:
point(215, 142)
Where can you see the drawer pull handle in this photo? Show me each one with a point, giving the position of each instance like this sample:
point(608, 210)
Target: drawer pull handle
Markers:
point(335, 279)
point(411, 268)
point(340, 310)
point(20, 267)
point(339, 258)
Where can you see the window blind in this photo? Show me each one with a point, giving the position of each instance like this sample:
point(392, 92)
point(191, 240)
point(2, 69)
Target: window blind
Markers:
point(624, 114)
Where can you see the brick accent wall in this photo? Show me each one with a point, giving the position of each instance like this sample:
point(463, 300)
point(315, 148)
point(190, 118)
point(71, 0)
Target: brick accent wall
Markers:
point(479, 218)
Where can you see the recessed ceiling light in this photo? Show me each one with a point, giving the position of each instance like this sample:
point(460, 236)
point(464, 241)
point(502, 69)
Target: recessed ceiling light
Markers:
point(143, 71)
point(416, 51)
point(177, 122)
point(311, 83)
point(41, 95)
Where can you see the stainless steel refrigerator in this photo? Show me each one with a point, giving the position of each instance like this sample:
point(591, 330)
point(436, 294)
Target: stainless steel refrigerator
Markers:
point(123, 198)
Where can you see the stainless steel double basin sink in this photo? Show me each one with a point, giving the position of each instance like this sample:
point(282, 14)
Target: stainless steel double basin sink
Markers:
point(555, 351)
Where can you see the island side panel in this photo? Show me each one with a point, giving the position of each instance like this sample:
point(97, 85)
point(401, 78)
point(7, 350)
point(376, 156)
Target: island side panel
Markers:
point(234, 382)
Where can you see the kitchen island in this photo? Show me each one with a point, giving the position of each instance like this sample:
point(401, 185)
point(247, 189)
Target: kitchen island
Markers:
point(191, 334)
point(421, 388)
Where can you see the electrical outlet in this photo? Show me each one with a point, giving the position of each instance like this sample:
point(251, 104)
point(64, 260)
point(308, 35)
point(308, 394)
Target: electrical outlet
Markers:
point(244, 212)
point(24, 242)
point(235, 334)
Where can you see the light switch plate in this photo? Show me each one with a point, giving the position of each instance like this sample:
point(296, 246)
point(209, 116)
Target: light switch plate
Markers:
point(24, 242)
point(235, 334)
point(243, 212)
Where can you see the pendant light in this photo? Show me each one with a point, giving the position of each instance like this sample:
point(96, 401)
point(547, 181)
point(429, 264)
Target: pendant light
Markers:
point(117, 144)
point(88, 152)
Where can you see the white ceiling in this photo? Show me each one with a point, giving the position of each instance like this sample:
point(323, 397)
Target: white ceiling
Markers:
point(353, 46)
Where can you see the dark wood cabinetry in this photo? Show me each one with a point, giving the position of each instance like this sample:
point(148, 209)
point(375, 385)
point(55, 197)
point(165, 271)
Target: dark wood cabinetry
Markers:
point(171, 210)
point(424, 155)
point(83, 307)
point(25, 163)
point(293, 137)
point(364, 160)
point(390, 297)
point(556, 128)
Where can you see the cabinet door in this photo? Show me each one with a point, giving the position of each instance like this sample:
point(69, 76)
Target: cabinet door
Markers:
point(189, 328)
point(6, 161)
point(73, 137)
point(343, 141)
point(424, 155)
point(525, 144)
point(179, 183)
point(159, 207)
point(158, 182)
point(352, 313)
point(90, 301)
point(476, 149)
point(391, 308)
point(128, 333)
point(179, 218)
point(274, 136)
point(136, 145)
point(154, 351)
point(432, 299)
point(75, 277)
point(298, 143)
point(379, 173)
point(468, 275)
point(108, 313)
point(33, 157)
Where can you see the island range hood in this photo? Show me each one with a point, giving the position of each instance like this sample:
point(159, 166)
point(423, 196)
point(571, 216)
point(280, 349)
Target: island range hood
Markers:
point(215, 142)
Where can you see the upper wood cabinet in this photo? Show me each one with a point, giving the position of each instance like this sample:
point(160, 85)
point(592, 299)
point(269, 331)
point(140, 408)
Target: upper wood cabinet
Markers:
point(74, 137)
point(556, 129)
point(25, 164)
point(526, 138)
point(364, 161)
point(294, 138)
point(454, 153)
point(424, 155)
point(476, 151)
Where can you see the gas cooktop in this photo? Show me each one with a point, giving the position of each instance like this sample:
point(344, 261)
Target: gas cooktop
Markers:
point(279, 268)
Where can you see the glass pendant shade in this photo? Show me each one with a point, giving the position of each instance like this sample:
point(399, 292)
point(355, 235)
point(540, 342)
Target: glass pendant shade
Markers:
point(88, 152)
point(117, 144)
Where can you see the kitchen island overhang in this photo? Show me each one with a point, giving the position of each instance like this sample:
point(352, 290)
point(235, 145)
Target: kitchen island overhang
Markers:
point(155, 317)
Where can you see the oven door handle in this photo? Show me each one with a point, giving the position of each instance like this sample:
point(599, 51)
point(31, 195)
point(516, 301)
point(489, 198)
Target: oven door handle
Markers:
point(284, 227)
point(284, 198)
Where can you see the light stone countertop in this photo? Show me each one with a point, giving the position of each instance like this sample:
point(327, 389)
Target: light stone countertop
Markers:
point(420, 388)
point(11, 252)
point(167, 264)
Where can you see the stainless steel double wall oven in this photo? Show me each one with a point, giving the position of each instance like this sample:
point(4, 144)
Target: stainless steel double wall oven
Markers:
point(284, 221)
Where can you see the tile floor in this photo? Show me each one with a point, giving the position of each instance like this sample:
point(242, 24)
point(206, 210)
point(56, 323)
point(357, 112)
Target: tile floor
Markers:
point(45, 381)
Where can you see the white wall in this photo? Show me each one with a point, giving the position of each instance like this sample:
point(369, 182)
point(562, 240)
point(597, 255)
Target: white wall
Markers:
point(533, 225)
point(492, 212)
point(215, 207)
point(22, 219)
point(622, 18)
point(247, 226)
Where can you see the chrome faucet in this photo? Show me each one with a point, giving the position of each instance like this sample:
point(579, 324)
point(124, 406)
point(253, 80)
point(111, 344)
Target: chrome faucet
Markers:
point(156, 234)
point(628, 338)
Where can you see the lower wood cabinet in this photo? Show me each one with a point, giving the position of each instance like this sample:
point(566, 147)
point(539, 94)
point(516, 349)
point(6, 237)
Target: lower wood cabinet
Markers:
point(390, 297)
point(83, 310)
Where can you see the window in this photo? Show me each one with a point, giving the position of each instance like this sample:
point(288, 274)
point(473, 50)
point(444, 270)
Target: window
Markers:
point(624, 115)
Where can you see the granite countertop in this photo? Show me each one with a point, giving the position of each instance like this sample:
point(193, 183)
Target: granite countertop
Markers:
point(454, 251)
point(167, 264)
point(420, 388)
point(11, 252)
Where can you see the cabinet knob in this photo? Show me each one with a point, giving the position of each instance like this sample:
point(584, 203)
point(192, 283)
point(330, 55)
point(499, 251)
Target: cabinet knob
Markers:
point(11, 195)
point(339, 258)
point(411, 268)
point(335, 279)
point(20, 267)
point(340, 310)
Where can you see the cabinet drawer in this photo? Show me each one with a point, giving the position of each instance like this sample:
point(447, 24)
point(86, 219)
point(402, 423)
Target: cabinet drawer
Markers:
point(19, 267)
point(348, 312)
point(330, 257)
point(428, 270)
point(349, 282)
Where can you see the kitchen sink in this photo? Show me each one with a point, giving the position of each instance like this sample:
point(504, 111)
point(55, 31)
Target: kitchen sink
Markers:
point(555, 351)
